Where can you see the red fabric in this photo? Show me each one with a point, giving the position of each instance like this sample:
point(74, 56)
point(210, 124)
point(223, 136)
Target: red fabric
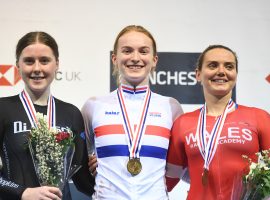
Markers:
point(245, 132)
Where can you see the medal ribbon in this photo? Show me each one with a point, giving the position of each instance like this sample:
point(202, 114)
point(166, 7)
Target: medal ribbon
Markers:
point(31, 111)
point(134, 137)
point(208, 148)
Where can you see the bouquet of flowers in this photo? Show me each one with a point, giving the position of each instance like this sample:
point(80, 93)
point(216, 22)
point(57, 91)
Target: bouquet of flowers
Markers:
point(52, 152)
point(256, 184)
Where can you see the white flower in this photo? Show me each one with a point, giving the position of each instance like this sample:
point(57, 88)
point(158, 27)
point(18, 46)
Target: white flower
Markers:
point(48, 150)
point(258, 179)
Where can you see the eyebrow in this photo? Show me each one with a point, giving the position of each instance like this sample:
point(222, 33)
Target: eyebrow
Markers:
point(132, 47)
point(233, 62)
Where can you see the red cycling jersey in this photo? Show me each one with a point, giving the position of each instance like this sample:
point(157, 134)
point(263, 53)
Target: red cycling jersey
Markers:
point(245, 132)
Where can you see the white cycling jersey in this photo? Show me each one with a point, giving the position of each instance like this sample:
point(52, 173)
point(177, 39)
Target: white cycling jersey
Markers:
point(108, 139)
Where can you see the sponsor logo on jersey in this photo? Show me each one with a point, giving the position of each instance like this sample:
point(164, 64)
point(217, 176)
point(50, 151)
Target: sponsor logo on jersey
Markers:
point(238, 135)
point(112, 113)
point(6, 183)
point(21, 127)
point(9, 75)
point(154, 114)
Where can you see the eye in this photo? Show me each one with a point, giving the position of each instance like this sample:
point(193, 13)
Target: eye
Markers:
point(212, 65)
point(229, 66)
point(144, 51)
point(126, 50)
point(28, 60)
point(44, 60)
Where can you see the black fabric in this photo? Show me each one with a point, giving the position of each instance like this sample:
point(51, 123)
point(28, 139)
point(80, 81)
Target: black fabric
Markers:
point(18, 167)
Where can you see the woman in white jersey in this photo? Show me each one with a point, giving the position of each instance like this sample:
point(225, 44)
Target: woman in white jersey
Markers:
point(129, 129)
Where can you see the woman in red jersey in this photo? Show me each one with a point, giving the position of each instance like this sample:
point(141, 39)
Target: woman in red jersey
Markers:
point(210, 141)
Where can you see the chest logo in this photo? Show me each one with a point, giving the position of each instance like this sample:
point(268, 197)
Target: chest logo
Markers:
point(19, 127)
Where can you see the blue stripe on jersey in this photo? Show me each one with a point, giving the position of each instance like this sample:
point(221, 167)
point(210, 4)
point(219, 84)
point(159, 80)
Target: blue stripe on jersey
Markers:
point(112, 150)
point(132, 92)
point(152, 151)
point(122, 150)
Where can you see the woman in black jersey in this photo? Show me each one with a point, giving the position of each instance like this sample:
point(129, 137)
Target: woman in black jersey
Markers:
point(37, 60)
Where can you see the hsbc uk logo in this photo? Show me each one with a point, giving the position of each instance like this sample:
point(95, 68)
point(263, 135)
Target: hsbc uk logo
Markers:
point(9, 75)
point(268, 78)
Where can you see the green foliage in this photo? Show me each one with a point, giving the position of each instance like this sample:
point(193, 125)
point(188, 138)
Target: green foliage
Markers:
point(48, 148)
point(257, 182)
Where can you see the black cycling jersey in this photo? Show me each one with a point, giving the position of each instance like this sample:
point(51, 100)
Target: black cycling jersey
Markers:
point(18, 171)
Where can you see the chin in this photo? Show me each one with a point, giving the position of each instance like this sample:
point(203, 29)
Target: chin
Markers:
point(38, 90)
point(136, 81)
point(222, 93)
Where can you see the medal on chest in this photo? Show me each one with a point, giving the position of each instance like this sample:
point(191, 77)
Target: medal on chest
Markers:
point(134, 166)
point(209, 146)
point(205, 176)
point(134, 135)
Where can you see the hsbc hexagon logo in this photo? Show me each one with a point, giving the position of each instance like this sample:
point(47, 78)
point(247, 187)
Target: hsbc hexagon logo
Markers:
point(9, 75)
point(268, 78)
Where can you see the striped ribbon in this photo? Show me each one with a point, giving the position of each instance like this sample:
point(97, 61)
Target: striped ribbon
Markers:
point(208, 147)
point(134, 136)
point(31, 111)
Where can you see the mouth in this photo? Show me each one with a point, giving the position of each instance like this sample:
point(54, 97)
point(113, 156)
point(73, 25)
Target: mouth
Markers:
point(219, 81)
point(36, 78)
point(135, 66)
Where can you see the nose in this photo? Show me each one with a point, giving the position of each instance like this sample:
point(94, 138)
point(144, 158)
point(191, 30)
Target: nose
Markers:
point(221, 70)
point(135, 56)
point(36, 67)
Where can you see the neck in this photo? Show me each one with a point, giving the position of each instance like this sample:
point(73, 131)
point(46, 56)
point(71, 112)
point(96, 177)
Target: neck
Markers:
point(215, 105)
point(39, 98)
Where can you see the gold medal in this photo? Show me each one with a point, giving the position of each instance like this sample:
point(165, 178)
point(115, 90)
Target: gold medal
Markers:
point(205, 177)
point(134, 166)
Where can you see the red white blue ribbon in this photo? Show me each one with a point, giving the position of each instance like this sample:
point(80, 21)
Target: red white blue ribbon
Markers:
point(208, 146)
point(134, 136)
point(31, 111)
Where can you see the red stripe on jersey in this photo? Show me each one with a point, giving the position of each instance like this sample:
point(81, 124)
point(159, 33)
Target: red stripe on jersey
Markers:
point(158, 131)
point(119, 129)
point(132, 89)
point(109, 129)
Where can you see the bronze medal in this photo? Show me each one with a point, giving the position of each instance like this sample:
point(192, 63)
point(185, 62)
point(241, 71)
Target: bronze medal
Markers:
point(205, 177)
point(134, 166)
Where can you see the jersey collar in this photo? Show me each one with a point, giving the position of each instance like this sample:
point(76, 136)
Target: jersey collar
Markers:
point(134, 90)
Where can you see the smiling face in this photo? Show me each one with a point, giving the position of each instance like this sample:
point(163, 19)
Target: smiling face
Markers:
point(37, 65)
point(134, 58)
point(218, 72)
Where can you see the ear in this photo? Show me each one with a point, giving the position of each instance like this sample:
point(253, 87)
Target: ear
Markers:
point(113, 57)
point(198, 75)
point(155, 60)
point(19, 69)
point(57, 65)
point(17, 64)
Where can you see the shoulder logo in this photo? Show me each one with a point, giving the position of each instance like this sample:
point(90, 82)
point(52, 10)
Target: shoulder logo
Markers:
point(154, 114)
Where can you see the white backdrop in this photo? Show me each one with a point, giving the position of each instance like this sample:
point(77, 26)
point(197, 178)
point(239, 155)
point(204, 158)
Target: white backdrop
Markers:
point(85, 31)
